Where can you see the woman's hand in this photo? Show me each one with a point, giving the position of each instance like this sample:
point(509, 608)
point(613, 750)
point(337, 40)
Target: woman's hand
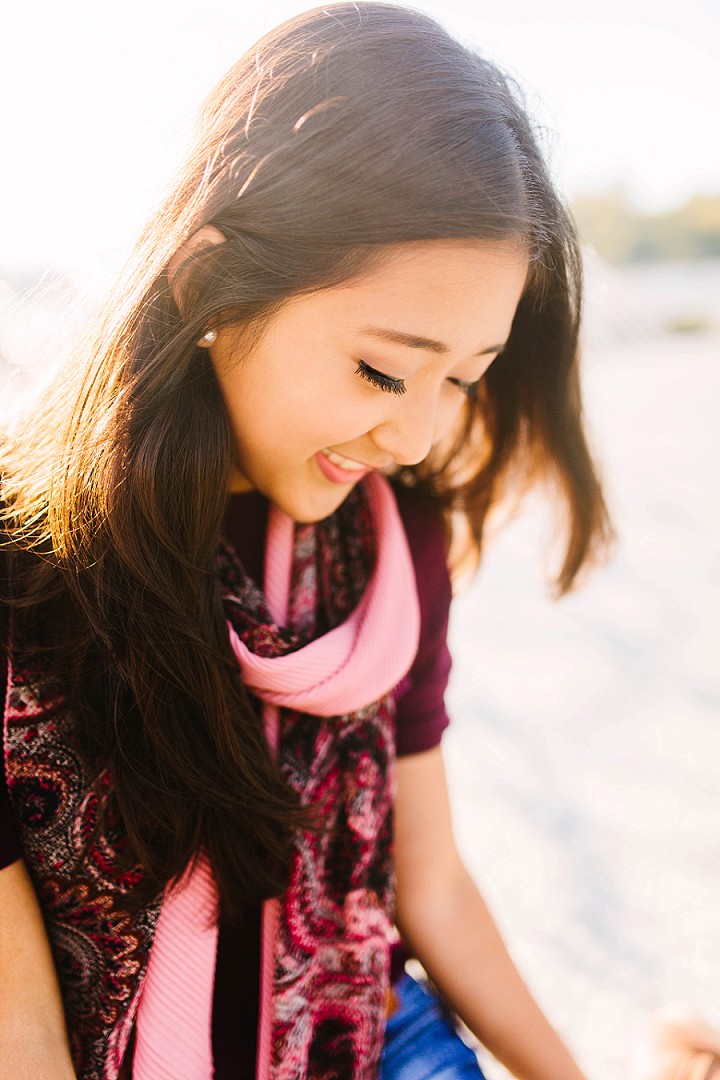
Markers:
point(447, 926)
point(33, 1038)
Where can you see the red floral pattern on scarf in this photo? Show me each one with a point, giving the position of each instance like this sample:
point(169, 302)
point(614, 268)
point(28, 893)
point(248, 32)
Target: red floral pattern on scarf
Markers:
point(332, 952)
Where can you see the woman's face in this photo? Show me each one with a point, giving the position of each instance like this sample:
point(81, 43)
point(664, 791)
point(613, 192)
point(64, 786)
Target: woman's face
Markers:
point(366, 375)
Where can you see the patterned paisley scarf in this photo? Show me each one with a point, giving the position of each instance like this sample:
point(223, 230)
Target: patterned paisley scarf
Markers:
point(336, 630)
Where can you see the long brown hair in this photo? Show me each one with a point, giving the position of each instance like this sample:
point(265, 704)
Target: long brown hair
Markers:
point(345, 130)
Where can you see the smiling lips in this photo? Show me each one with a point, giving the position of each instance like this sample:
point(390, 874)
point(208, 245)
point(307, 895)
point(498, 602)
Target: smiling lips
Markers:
point(339, 469)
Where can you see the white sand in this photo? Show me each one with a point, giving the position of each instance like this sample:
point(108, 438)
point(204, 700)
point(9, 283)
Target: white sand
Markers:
point(586, 739)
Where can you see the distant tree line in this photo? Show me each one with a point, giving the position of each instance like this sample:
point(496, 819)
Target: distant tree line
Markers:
point(621, 233)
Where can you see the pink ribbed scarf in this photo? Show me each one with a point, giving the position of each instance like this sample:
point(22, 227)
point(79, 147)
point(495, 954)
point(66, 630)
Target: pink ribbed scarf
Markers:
point(353, 665)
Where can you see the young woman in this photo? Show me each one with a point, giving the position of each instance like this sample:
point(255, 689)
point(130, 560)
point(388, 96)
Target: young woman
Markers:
point(349, 334)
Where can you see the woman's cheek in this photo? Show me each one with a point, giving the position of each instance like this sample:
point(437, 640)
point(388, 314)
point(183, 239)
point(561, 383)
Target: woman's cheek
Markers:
point(450, 409)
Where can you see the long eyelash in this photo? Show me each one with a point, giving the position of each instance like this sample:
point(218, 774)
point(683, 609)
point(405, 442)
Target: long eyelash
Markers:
point(469, 389)
point(382, 382)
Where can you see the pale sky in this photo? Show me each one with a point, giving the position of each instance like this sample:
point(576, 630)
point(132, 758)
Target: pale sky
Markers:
point(97, 101)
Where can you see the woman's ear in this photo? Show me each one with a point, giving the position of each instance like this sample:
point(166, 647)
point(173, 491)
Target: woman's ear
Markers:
point(207, 236)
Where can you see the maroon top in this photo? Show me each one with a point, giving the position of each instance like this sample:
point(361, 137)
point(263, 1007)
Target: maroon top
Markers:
point(420, 718)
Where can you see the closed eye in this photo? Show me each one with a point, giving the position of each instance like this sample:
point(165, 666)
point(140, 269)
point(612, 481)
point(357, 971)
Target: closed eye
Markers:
point(383, 382)
point(470, 389)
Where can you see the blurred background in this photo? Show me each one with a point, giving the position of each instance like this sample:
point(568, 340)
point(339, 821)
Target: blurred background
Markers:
point(586, 742)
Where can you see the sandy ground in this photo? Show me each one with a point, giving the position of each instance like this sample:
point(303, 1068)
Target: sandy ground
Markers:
point(586, 739)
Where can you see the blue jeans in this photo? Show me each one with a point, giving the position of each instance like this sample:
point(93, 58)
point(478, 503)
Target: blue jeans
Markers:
point(421, 1042)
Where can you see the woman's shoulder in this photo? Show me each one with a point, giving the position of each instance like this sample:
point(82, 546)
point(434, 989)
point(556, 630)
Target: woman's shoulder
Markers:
point(421, 714)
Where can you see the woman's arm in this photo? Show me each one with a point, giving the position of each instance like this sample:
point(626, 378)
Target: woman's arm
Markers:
point(442, 917)
point(33, 1038)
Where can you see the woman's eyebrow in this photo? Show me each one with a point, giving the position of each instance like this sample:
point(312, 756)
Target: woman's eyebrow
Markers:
point(415, 341)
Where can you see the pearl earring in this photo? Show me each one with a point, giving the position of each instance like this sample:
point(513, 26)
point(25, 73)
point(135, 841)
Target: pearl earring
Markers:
point(208, 339)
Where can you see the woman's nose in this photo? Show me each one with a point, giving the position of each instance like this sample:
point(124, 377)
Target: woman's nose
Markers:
point(408, 433)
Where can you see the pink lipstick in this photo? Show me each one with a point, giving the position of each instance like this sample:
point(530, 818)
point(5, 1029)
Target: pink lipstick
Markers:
point(335, 473)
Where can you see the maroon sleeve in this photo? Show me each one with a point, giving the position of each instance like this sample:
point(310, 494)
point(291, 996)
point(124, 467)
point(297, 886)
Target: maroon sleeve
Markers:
point(10, 849)
point(420, 697)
